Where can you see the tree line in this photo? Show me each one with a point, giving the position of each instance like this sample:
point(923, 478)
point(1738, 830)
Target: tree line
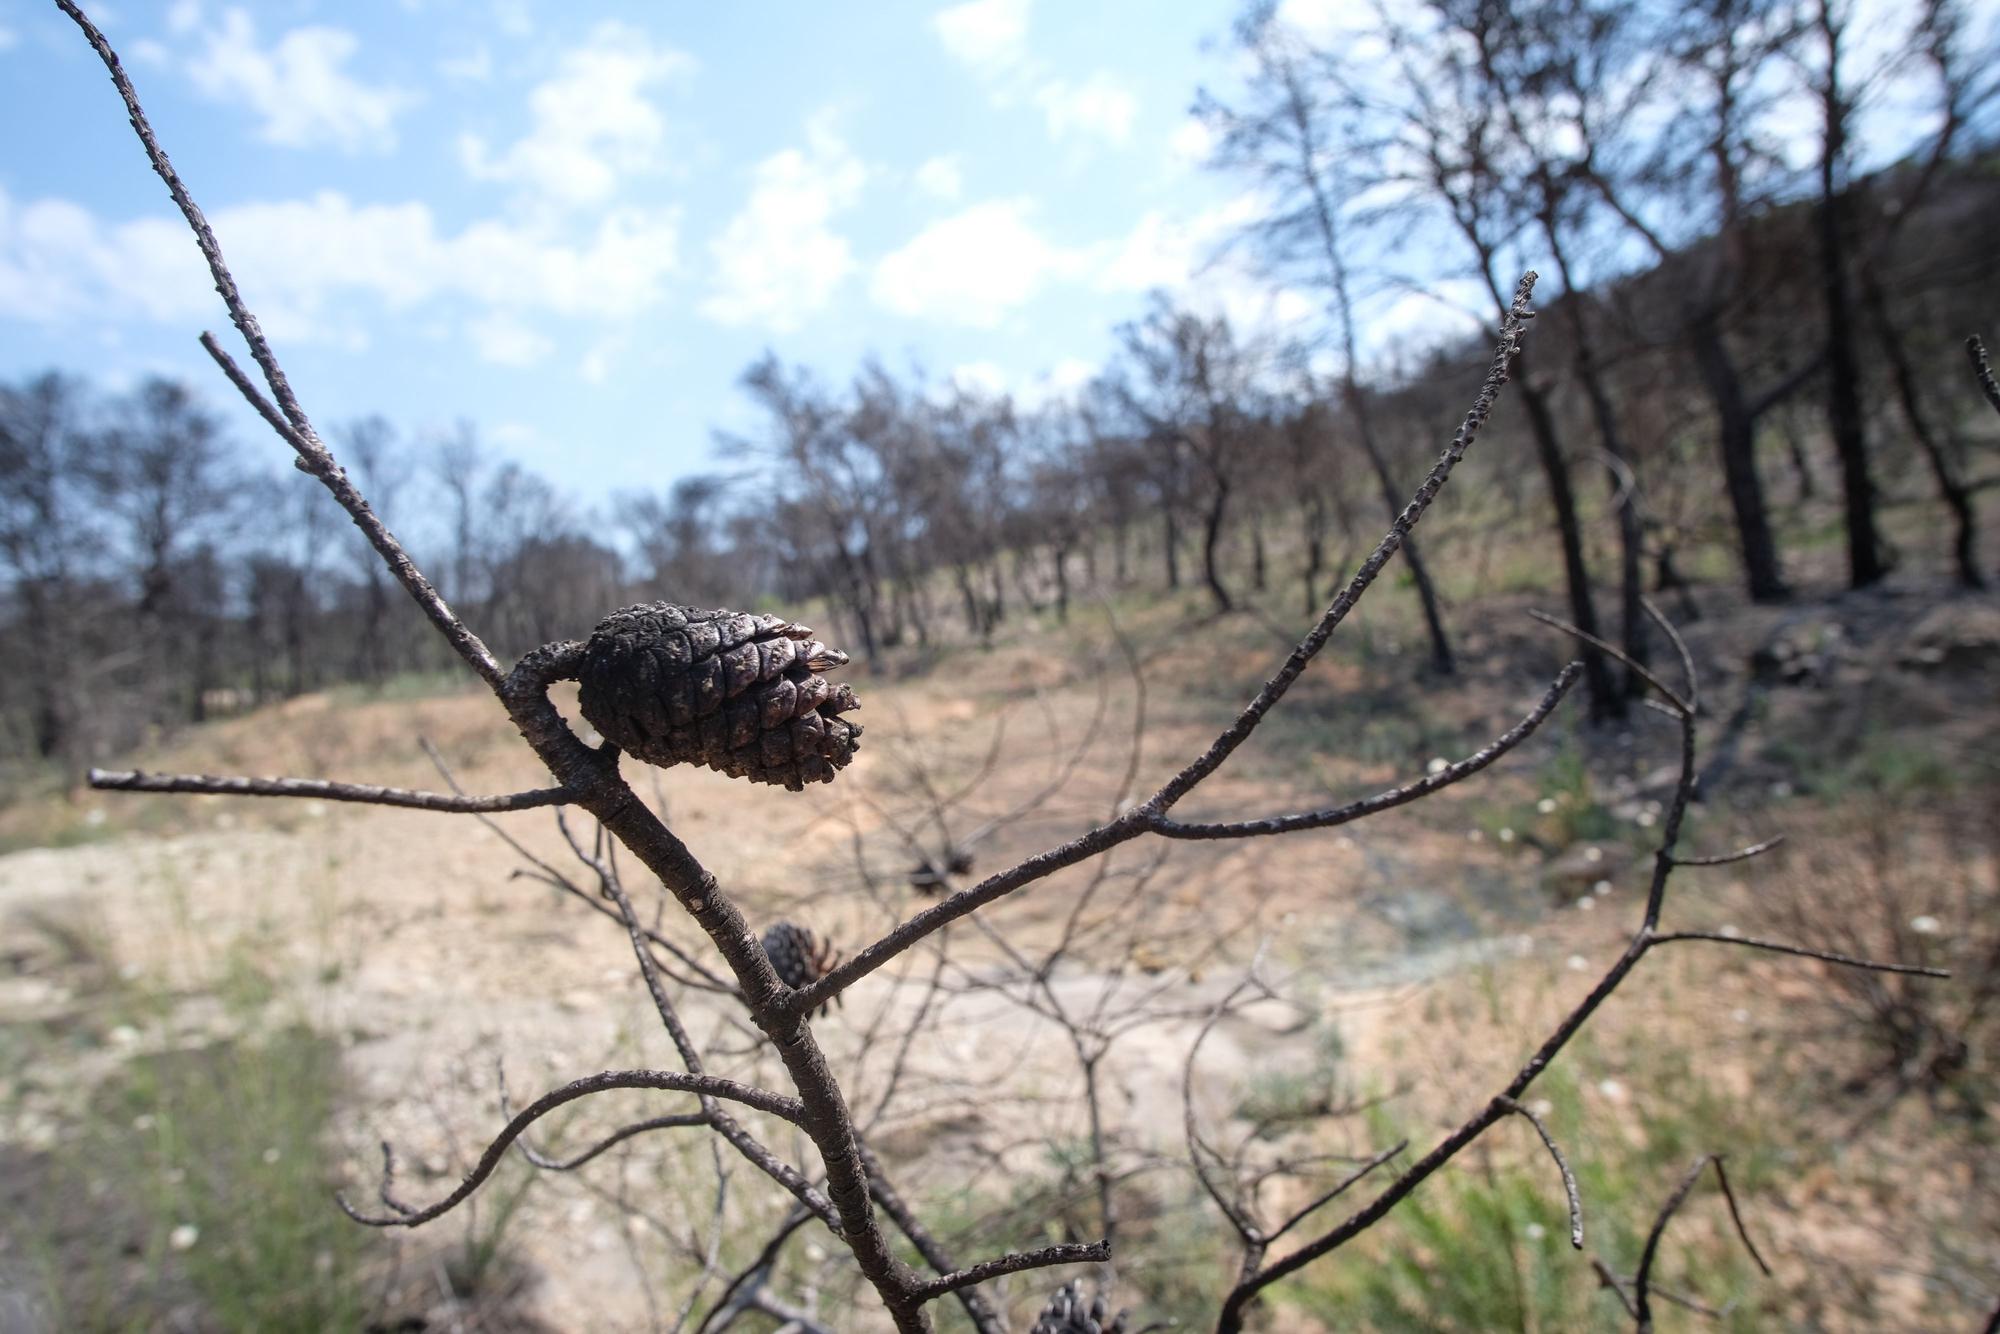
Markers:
point(1729, 304)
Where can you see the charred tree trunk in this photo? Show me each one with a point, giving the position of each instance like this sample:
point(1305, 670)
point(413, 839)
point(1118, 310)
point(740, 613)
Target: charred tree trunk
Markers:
point(1957, 496)
point(1172, 544)
point(1441, 659)
point(1623, 479)
point(1736, 441)
point(1211, 542)
point(1606, 700)
point(1865, 564)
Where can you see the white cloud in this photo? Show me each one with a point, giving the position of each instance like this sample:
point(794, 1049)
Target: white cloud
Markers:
point(298, 87)
point(506, 340)
point(980, 377)
point(592, 122)
point(987, 35)
point(8, 39)
point(1322, 21)
point(302, 263)
point(1099, 107)
point(973, 267)
point(1057, 384)
point(183, 16)
point(474, 66)
point(1191, 144)
point(145, 51)
point(777, 261)
point(512, 18)
point(940, 177)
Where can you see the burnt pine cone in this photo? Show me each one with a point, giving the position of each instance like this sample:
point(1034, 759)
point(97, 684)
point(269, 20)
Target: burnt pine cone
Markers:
point(742, 693)
point(798, 956)
point(1067, 1313)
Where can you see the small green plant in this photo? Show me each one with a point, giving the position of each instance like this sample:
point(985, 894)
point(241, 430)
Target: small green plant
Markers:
point(207, 1169)
point(1488, 1248)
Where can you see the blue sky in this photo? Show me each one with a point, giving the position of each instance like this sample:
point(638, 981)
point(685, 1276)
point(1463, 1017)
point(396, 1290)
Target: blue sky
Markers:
point(575, 225)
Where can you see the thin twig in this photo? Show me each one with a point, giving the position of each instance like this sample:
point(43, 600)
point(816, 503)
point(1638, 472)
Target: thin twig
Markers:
point(1395, 796)
point(1740, 855)
point(788, 1109)
point(1066, 1253)
point(132, 780)
point(1824, 956)
point(1562, 1166)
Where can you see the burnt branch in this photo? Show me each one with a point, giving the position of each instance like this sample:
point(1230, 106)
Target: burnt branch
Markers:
point(1803, 952)
point(1067, 1253)
point(1740, 855)
point(1562, 1166)
point(1395, 796)
point(786, 1109)
point(121, 780)
point(1641, 1305)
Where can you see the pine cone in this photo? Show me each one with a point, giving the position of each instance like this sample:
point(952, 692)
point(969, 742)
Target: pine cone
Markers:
point(1067, 1314)
point(798, 956)
point(740, 693)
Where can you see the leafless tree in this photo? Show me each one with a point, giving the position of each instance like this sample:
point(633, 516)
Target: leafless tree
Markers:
point(1292, 145)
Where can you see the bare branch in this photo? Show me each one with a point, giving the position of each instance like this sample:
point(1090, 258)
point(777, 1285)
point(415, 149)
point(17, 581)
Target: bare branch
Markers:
point(1338, 1189)
point(1562, 1166)
point(1067, 1253)
point(1645, 674)
point(1395, 796)
point(788, 1109)
point(682, 1120)
point(132, 780)
point(1824, 956)
point(1641, 1306)
point(1740, 855)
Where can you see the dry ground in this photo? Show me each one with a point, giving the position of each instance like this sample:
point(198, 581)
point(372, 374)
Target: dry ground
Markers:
point(1436, 943)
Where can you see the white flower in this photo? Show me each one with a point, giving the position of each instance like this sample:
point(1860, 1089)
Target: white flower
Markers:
point(1547, 805)
point(1475, 835)
point(1542, 1107)
point(1576, 963)
point(271, 1155)
point(1645, 819)
point(1437, 765)
point(1601, 888)
point(124, 1035)
point(1535, 1231)
point(1741, 1016)
point(1926, 925)
point(184, 1237)
point(142, 1122)
point(1612, 1090)
point(1506, 836)
point(1586, 903)
point(1593, 854)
